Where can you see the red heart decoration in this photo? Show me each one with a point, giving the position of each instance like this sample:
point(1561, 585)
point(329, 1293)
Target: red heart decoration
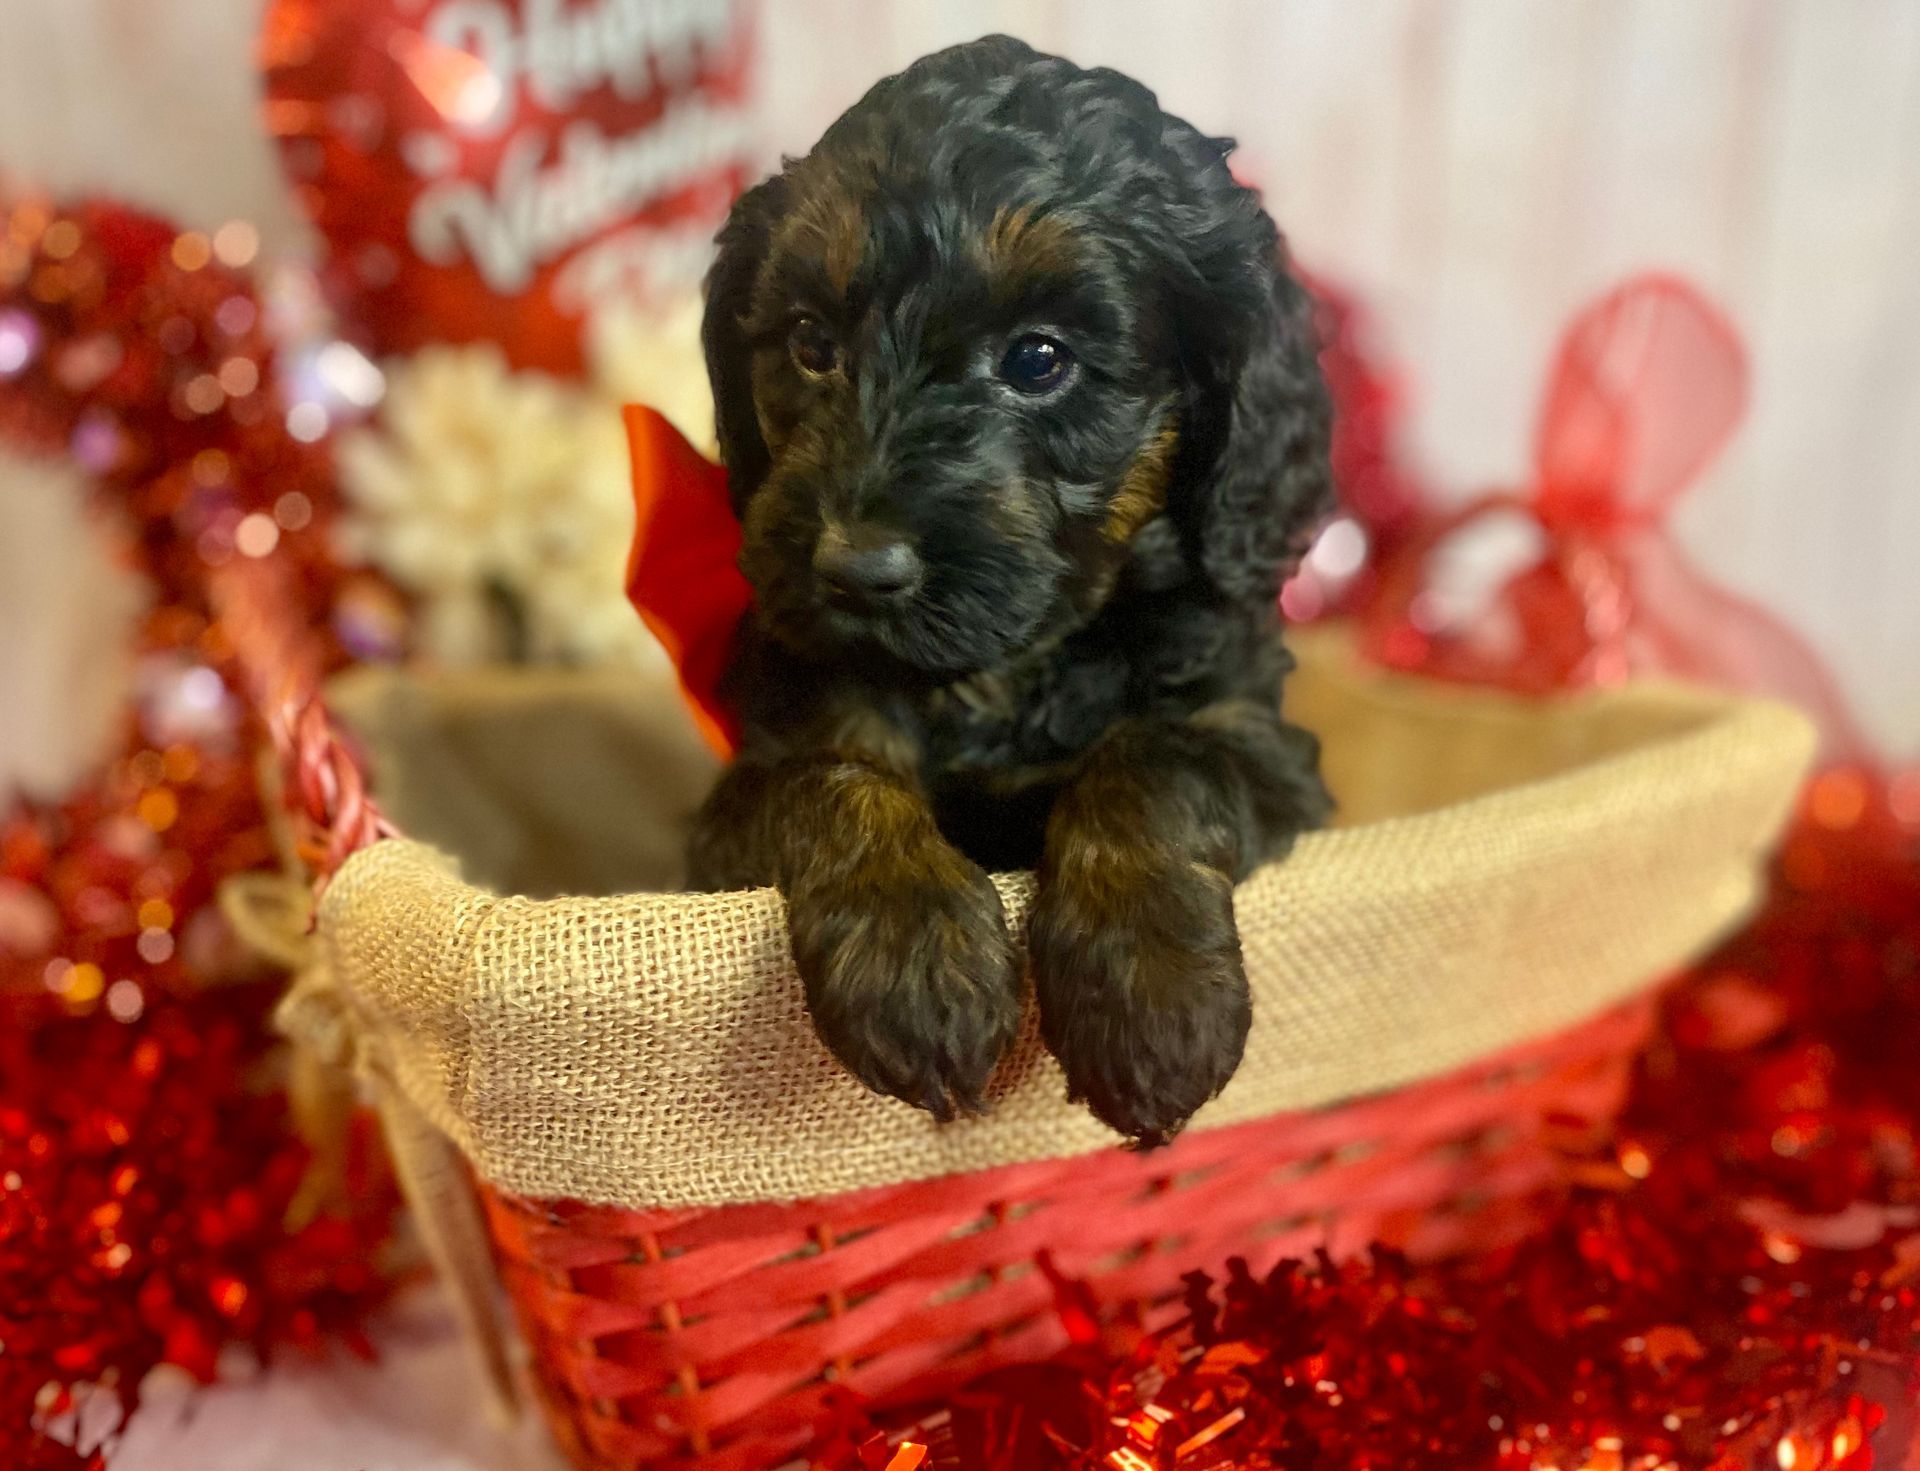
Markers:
point(493, 169)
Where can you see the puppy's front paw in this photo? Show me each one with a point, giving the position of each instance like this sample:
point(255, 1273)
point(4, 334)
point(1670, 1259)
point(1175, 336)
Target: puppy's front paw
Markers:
point(1143, 998)
point(910, 974)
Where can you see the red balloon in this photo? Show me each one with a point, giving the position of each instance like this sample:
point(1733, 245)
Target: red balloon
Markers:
point(494, 169)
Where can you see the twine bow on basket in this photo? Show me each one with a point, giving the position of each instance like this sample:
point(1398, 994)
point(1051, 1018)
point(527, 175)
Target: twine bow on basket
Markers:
point(1647, 386)
point(319, 812)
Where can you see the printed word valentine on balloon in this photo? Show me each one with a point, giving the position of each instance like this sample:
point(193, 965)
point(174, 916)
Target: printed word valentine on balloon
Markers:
point(532, 213)
point(502, 169)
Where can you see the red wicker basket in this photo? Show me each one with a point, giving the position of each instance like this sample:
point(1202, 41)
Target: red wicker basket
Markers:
point(715, 1337)
point(699, 1320)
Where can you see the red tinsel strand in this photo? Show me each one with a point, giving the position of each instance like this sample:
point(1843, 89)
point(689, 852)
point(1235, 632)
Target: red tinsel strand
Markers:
point(147, 364)
point(145, 1176)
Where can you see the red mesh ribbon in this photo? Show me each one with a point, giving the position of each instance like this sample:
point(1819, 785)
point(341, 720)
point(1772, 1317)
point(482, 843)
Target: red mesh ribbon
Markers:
point(1647, 387)
point(683, 574)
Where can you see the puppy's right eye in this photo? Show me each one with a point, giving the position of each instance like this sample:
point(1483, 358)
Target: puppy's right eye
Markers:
point(812, 347)
point(1037, 364)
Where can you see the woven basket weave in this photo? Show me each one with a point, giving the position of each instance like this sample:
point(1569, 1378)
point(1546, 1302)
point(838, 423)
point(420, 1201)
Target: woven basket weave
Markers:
point(1467, 956)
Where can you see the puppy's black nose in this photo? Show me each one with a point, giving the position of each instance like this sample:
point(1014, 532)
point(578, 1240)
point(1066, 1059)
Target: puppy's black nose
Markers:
point(866, 566)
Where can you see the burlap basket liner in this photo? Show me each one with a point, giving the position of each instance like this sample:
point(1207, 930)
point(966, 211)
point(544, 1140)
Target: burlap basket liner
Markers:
point(1503, 869)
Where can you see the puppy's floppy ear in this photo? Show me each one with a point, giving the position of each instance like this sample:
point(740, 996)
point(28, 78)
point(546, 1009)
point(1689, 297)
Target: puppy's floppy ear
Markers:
point(743, 243)
point(1252, 479)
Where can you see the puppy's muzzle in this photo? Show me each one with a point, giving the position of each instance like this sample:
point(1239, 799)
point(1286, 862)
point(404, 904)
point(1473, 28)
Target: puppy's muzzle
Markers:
point(866, 568)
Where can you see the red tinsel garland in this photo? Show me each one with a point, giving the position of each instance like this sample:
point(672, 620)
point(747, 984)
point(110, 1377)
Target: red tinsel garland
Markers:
point(147, 1174)
point(146, 1169)
point(1734, 1281)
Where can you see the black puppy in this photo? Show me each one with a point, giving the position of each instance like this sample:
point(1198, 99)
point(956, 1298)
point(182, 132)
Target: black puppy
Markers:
point(1024, 424)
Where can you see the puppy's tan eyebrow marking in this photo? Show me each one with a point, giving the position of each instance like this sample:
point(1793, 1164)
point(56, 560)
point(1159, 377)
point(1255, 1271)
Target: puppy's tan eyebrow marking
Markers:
point(823, 242)
point(845, 242)
point(1143, 489)
point(1020, 245)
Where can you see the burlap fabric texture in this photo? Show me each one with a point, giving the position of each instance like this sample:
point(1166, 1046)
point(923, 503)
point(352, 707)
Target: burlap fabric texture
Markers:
point(1503, 868)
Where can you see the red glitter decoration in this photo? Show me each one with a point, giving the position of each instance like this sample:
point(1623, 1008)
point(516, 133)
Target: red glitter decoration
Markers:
point(1735, 1284)
point(148, 365)
point(206, 475)
point(146, 1170)
point(145, 1182)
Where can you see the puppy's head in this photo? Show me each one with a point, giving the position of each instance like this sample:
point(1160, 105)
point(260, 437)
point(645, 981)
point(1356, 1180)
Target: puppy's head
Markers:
point(1004, 318)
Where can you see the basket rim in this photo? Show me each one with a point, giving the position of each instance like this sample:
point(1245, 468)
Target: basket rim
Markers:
point(647, 1130)
point(1703, 713)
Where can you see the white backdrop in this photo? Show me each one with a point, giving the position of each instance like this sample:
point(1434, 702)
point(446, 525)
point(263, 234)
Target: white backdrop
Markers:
point(1475, 167)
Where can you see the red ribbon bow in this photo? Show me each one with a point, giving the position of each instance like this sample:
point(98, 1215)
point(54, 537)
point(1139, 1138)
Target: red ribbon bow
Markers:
point(683, 574)
point(1647, 387)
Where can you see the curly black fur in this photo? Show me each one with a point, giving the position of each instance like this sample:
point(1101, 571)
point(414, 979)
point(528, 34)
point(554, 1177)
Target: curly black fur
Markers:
point(1083, 674)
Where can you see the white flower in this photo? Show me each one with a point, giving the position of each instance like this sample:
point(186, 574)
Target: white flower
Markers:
point(502, 501)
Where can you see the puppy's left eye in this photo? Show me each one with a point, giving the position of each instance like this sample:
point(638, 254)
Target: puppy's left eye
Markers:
point(1037, 364)
point(812, 347)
